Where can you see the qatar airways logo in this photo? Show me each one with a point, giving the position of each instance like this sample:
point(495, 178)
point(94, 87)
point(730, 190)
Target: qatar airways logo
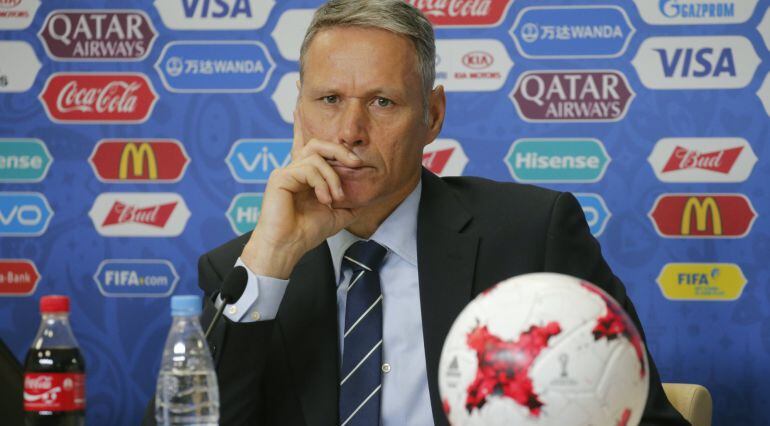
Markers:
point(707, 160)
point(98, 98)
point(139, 214)
point(463, 13)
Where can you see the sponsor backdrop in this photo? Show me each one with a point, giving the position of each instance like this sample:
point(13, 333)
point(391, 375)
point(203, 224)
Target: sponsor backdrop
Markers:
point(134, 139)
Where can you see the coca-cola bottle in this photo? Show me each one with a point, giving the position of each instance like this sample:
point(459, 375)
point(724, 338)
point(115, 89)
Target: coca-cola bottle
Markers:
point(54, 373)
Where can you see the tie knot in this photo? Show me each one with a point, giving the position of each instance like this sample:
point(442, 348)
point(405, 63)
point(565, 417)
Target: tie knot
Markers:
point(366, 255)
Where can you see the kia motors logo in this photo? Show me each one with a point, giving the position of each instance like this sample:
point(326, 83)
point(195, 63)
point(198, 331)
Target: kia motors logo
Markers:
point(557, 160)
point(444, 157)
point(17, 14)
point(19, 74)
point(572, 96)
point(244, 211)
point(214, 14)
point(702, 160)
point(24, 214)
point(692, 63)
point(695, 12)
point(136, 278)
point(137, 214)
point(18, 277)
point(463, 13)
point(554, 32)
point(23, 160)
point(595, 210)
point(139, 160)
point(701, 281)
point(215, 66)
point(472, 65)
point(97, 35)
point(98, 98)
point(252, 160)
point(703, 215)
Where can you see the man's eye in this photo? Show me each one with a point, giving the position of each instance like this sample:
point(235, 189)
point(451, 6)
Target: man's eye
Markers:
point(383, 102)
point(331, 99)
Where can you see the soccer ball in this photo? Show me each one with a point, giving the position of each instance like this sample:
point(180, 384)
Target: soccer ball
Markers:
point(543, 349)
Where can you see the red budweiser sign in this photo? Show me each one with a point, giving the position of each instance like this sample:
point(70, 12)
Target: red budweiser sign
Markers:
point(703, 215)
point(139, 160)
point(463, 13)
point(717, 161)
point(18, 277)
point(435, 161)
point(98, 98)
point(156, 216)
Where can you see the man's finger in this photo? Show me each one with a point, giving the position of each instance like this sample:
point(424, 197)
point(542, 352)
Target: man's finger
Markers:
point(331, 177)
point(331, 151)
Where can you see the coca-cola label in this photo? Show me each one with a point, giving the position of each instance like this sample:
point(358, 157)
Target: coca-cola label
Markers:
point(704, 160)
point(98, 98)
point(137, 214)
point(463, 13)
point(54, 392)
point(97, 35)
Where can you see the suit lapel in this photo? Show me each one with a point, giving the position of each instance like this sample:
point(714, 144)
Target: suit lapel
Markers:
point(310, 338)
point(446, 258)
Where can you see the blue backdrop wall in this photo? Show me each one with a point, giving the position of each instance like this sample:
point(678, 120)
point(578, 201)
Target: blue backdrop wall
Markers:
point(133, 140)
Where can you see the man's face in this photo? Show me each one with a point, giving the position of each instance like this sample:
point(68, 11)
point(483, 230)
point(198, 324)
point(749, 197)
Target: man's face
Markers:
point(361, 88)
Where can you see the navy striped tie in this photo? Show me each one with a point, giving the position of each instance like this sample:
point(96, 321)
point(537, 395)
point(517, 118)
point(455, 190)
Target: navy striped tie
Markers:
point(360, 378)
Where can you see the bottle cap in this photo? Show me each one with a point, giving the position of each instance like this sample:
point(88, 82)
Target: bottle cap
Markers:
point(185, 305)
point(54, 304)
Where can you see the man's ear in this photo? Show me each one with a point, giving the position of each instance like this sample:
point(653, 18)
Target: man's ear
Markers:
point(436, 112)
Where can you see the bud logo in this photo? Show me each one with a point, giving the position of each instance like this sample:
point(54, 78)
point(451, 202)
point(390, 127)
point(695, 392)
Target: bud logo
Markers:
point(97, 35)
point(17, 14)
point(702, 159)
point(136, 278)
point(24, 214)
point(18, 277)
point(701, 281)
point(19, 74)
point(557, 160)
point(553, 32)
point(695, 12)
point(472, 65)
point(23, 160)
point(707, 62)
point(463, 13)
point(139, 160)
point(214, 14)
point(703, 215)
point(243, 212)
point(215, 66)
point(98, 98)
point(252, 160)
point(576, 96)
point(444, 157)
point(137, 214)
point(595, 210)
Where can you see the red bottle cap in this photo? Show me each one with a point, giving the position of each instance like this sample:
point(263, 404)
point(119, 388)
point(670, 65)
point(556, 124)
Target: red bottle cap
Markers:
point(54, 304)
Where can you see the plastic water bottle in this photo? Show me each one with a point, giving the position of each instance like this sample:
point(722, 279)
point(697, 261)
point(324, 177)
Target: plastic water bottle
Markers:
point(187, 391)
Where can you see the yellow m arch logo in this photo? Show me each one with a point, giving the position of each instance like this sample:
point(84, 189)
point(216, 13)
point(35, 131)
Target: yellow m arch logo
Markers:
point(702, 210)
point(137, 156)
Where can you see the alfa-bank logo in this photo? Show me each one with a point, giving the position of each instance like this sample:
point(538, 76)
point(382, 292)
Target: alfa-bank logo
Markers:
point(572, 95)
point(477, 65)
point(23, 160)
point(17, 14)
point(695, 12)
point(119, 98)
point(24, 214)
point(214, 14)
point(252, 160)
point(444, 157)
point(18, 277)
point(17, 74)
point(136, 278)
point(463, 13)
point(703, 215)
point(97, 35)
point(697, 62)
point(139, 160)
point(567, 160)
point(717, 160)
point(139, 214)
point(701, 281)
point(553, 32)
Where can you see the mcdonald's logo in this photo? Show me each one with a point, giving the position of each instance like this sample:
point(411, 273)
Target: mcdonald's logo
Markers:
point(703, 215)
point(139, 160)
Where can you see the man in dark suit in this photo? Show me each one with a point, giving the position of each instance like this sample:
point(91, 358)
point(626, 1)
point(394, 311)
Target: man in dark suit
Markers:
point(361, 259)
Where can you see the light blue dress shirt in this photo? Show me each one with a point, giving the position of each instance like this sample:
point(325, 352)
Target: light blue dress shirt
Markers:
point(405, 396)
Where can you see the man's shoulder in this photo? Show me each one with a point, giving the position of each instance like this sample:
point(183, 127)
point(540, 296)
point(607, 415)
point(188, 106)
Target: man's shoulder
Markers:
point(222, 258)
point(486, 197)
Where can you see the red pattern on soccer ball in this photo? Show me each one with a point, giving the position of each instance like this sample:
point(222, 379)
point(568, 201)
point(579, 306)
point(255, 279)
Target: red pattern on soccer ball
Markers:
point(503, 366)
point(625, 417)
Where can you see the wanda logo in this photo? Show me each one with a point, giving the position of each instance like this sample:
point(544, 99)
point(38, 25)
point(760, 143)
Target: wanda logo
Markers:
point(98, 98)
point(463, 13)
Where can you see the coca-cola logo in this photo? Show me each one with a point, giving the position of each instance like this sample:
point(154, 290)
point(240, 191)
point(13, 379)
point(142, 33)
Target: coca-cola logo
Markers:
point(93, 97)
point(478, 60)
point(8, 4)
point(463, 13)
point(38, 383)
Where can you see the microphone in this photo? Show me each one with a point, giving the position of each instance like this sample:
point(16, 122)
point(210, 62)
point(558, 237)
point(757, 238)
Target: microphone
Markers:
point(232, 290)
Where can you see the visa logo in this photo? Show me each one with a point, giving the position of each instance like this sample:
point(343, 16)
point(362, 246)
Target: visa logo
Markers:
point(252, 160)
point(216, 8)
point(704, 62)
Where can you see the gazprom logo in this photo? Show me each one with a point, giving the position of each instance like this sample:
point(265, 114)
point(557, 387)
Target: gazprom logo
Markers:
point(244, 212)
point(557, 160)
point(24, 214)
point(136, 278)
point(596, 212)
point(252, 160)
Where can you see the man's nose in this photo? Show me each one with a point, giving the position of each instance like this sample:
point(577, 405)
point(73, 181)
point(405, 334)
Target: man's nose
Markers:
point(352, 124)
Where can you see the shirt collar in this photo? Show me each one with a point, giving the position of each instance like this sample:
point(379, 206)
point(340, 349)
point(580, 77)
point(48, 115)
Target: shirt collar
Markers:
point(398, 233)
